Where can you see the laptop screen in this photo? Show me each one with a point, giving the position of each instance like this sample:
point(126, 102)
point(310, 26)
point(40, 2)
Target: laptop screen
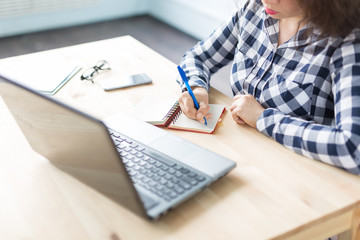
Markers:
point(73, 141)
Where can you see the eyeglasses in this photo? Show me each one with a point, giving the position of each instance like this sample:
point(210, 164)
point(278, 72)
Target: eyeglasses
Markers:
point(92, 72)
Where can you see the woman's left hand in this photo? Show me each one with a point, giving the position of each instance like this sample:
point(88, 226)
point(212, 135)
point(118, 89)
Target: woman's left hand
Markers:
point(246, 110)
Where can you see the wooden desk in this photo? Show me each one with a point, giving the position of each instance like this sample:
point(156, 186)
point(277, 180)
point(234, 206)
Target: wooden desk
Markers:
point(273, 193)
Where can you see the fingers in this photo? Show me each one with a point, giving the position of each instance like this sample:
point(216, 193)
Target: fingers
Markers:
point(237, 102)
point(235, 116)
point(246, 109)
point(237, 97)
point(237, 108)
point(202, 111)
point(188, 107)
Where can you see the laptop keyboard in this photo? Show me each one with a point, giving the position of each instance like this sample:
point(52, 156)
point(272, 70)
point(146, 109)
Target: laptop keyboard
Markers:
point(155, 172)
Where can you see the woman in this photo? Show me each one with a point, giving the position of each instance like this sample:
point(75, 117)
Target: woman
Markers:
point(295, 75)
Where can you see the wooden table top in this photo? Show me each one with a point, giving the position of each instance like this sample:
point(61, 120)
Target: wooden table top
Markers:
point(273, 193)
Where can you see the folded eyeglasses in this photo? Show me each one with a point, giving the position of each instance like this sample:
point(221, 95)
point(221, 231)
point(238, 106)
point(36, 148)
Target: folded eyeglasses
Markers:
point(90, 73)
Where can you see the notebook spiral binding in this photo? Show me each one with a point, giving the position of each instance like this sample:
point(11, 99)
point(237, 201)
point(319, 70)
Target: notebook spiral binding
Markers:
point(173, 114)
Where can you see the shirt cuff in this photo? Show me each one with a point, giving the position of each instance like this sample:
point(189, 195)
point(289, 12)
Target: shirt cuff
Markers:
point(193, 82)
point(268, 120)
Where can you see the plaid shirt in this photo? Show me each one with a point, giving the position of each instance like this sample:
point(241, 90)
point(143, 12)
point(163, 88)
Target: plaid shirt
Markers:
point(310, 87)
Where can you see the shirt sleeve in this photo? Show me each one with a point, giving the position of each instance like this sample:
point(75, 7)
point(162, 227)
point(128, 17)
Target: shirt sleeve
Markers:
point(338, 145)
point(208, 56)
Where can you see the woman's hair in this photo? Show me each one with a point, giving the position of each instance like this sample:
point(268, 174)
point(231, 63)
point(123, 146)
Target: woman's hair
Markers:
point(332, 17)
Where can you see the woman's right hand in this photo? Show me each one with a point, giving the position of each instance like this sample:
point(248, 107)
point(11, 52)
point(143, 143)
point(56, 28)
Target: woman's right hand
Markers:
point(188, 107)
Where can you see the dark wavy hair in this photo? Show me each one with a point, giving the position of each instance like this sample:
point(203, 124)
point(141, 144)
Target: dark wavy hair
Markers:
point(332, 17)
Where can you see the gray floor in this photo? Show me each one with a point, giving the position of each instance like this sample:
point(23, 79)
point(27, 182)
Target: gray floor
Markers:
point(164, 39)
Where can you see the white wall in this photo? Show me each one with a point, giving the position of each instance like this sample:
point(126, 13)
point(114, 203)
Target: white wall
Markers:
point(195, 17)
point(102, 10)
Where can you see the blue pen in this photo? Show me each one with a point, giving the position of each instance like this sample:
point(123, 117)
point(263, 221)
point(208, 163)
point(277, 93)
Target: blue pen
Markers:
point(185, 80)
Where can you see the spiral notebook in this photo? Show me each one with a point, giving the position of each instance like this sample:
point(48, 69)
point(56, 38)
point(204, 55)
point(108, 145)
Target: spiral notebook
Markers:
point(170, 116)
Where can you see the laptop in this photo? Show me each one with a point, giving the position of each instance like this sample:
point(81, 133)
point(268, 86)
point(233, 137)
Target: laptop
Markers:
point(144, 168)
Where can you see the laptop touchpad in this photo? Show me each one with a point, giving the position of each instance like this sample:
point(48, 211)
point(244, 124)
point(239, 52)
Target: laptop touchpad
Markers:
point(173, 146)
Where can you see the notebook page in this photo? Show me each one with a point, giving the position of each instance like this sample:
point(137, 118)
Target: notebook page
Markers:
point(185, 123)
point(154, 111)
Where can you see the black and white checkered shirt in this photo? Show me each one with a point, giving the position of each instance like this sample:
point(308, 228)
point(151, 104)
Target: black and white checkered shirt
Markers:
point(310, 87)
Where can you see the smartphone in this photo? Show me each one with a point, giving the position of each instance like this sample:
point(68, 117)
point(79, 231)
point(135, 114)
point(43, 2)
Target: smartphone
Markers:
point(132, 80)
